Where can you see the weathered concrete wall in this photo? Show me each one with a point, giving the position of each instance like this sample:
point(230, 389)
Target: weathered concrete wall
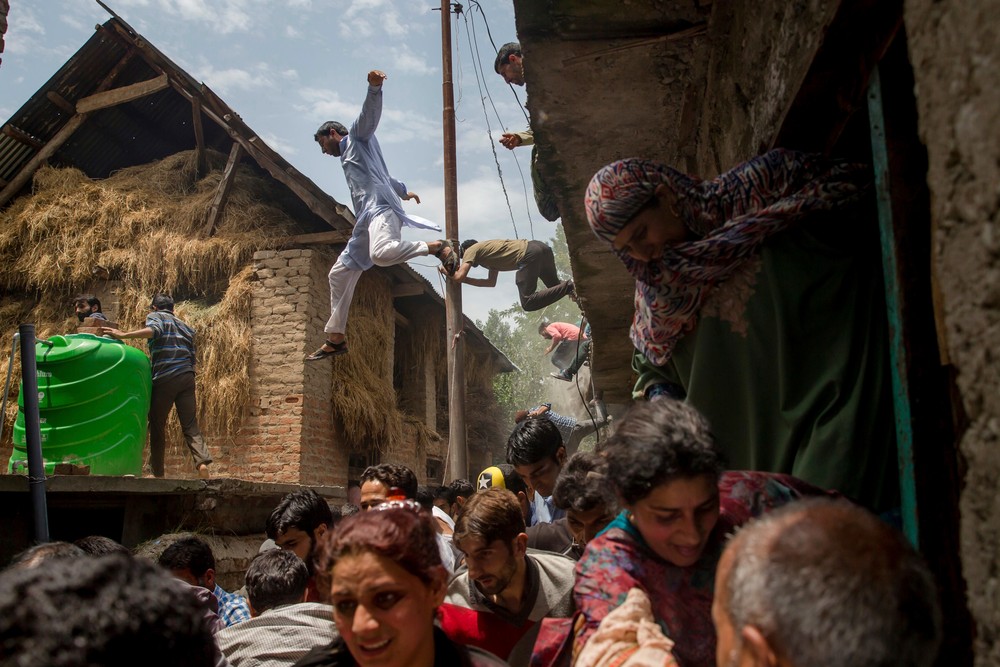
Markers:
point(709, 92)
point(759, 55)
point(955, 53)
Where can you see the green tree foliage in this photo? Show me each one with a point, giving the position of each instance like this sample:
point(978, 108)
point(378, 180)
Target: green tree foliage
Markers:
point(515, 333)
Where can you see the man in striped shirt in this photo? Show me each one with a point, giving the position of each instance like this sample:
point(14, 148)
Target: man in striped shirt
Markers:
point(171, 346)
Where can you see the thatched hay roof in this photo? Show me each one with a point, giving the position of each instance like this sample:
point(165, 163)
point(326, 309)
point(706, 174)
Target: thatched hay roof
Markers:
point(143, 226)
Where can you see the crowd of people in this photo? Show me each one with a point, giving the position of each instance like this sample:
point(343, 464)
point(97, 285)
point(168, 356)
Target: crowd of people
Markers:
point(630, 559)
point(648, 550)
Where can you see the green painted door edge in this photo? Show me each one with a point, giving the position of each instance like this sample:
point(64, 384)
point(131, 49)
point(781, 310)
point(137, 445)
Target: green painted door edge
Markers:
point(897, 345)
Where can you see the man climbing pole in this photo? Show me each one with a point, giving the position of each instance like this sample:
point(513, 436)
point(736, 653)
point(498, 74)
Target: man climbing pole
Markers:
point(376, 240)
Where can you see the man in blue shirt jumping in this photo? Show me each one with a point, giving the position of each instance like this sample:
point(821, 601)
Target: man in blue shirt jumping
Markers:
point(376, 240)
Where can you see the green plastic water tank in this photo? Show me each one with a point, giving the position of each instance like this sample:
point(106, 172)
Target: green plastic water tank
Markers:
point(93, 396)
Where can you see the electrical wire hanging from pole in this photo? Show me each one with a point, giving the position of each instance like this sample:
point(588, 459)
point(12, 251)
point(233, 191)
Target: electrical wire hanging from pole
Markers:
point(458, 453)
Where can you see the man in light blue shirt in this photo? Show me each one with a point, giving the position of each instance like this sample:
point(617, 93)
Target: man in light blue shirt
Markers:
point(376, 195)
point(535, 449)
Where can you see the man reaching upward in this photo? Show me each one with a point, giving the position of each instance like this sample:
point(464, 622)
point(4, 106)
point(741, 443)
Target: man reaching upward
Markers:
point(376, 240)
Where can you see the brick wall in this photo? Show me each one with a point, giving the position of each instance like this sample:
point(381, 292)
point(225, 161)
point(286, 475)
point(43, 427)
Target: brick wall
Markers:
point(288, 434)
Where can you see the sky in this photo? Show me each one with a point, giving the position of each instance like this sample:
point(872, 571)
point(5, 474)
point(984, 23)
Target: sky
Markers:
point(286, 66)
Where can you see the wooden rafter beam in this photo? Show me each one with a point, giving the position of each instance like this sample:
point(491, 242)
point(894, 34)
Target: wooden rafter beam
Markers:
point(60, 137)
point(47, 151)
point(322, 205)
point(110, 98)
point(60, 101)
point(17, 134)
point(407, 289)
point(218, 206)
point(335, 216)
point(319, 238)
point(201, 162)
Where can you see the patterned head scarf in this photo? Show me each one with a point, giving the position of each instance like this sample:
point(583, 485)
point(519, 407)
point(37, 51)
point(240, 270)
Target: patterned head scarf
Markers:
point(730, 216)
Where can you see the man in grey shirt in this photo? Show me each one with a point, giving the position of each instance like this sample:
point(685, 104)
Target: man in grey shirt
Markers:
point(282, 627)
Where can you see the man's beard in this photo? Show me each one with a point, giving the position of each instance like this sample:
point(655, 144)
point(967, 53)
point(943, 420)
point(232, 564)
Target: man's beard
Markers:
point(502, 580)
point(81, 316)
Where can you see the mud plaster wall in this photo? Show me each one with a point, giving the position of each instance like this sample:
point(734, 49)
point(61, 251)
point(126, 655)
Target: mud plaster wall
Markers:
point(955, 53)
point(701, 104)
point(759, 55)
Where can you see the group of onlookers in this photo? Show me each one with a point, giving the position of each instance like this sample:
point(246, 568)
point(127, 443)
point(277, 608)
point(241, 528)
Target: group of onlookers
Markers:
point(700, 566)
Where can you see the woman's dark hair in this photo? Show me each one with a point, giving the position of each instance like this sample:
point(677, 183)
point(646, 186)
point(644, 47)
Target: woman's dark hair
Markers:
point(403, 535)
point(658, 442)
point(583, 484)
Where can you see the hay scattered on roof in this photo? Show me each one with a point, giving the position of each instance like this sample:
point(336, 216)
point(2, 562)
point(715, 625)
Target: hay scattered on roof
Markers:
point(143, 225)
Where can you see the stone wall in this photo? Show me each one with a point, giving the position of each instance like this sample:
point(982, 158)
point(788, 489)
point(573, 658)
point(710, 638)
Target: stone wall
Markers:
point(955, 53)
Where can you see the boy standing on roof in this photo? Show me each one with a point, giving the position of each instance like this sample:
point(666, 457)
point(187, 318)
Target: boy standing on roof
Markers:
point(376, 240)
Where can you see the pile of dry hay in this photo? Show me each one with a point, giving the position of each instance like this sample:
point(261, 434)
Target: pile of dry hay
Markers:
point(143, 225)
point(363, 395)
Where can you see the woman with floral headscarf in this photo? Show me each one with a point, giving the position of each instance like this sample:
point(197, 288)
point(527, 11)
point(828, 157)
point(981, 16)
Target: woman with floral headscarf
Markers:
point(758, 300)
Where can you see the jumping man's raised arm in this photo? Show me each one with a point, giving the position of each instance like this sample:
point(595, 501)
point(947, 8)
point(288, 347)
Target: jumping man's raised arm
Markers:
point(371, 111)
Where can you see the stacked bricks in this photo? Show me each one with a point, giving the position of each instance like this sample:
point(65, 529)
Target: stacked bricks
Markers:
point(288, 434)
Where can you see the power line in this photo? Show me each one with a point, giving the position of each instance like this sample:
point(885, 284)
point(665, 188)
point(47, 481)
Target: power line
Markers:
point(489, 127)
point(517, 162)
point(496, 49)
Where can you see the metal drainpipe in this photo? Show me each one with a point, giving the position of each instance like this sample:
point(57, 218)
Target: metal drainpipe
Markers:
point(32, 432)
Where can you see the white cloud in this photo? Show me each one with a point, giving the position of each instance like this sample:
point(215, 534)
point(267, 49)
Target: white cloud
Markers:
point(405, 60)
point(365, 18)
point(23, 31)
point(322, 105)
point(224, 16)
point(227, 80)
point(399, 126)
point(279, 144)
point(291, 31)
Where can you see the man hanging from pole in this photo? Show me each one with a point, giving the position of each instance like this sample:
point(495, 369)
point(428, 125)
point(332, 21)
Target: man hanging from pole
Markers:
point(376, 240)
point(509, 64)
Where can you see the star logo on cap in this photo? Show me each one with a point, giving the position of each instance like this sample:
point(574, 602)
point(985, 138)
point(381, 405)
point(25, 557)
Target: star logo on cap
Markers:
point(485, 480)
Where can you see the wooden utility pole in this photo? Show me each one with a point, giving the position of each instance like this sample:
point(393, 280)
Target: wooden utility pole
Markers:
point(458, 453)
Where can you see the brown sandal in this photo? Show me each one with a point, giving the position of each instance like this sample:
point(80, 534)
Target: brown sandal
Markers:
point(450, 261)
point(338, 349)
